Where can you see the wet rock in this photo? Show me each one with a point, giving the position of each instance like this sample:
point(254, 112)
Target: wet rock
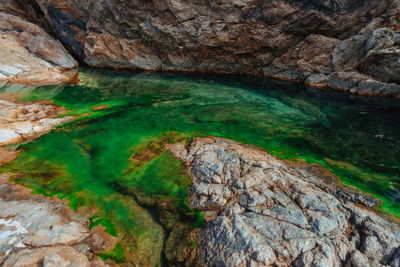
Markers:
point(21, 121)
point(39, 230)
point(272, 212)
point(356, 82)
point(54, 256)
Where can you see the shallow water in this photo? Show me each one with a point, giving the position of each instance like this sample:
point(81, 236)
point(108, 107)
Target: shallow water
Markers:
point(110, 157)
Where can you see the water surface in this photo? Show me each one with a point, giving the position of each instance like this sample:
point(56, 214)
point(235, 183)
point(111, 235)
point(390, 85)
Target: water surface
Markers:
point(111, 158)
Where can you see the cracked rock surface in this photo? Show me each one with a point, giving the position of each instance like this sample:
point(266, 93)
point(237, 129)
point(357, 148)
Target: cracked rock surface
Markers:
point(36, 230)
point(40, 231)
point(351, 45)
point(21, 121)
point(318, 42)
point(262, 211)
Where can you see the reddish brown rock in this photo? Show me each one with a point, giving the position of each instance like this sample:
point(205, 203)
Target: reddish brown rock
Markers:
point(28, 54)
point(296, 40)
point(23, 121)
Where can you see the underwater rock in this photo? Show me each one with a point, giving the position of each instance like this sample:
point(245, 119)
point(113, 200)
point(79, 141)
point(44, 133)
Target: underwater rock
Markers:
point(28, 54)
point(34, 229)
point(21, 121)
point(262, 211)
point(40, 230)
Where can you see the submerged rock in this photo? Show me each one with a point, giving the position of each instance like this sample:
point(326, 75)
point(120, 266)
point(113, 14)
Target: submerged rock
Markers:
point(39, 230)
point(262, 211)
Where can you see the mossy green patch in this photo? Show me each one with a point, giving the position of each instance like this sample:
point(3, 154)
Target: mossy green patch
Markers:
point(112, 159)
point(116, 254)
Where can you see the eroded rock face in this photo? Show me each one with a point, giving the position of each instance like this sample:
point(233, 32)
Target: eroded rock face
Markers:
point(323, 43)
point(297, 40)
point(22, 121)
point(28, 54)
point(40, 231)
point(26, 9)
point(263, 211)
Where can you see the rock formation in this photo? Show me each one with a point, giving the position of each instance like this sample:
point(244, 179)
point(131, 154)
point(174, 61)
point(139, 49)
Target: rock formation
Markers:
point(37, 230)
point(22, 121)
point(351, 45)
point(344, 44)
point(28, 54)
point(40, 231)
point(262, 211)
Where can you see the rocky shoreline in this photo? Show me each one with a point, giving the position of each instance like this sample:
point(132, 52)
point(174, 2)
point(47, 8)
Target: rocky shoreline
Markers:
point(28, 54)
point(262, 211)
point(35, 229)
point(20, 121)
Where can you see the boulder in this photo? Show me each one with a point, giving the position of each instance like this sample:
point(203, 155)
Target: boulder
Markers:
point(28, 54)
point(262, 211)
point(23, 121)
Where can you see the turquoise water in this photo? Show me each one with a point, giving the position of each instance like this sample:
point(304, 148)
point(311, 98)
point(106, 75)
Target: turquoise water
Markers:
point(89, 160)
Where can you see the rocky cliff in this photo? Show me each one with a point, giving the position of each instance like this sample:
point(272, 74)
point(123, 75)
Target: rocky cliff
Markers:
point(345, 44)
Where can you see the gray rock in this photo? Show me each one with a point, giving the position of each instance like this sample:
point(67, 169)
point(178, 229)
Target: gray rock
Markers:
point(278, 213)
point(40, 231)
point(383, 64)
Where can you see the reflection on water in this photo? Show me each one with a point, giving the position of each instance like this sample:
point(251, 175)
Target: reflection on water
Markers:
point(358, 138)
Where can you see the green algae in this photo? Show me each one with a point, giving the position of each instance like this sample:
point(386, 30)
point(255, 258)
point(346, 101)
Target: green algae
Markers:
point(113, 159)
point(116, 254)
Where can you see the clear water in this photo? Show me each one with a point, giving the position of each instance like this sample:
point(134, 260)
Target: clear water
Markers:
point(90, 160)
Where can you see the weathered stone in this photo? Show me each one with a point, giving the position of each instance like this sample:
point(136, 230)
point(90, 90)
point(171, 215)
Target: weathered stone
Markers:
point(39, 230)
point(383, 64)
point(20, 121)
point(271, 212)
point(295, 40)
point(28, 54)
point(48, 257)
